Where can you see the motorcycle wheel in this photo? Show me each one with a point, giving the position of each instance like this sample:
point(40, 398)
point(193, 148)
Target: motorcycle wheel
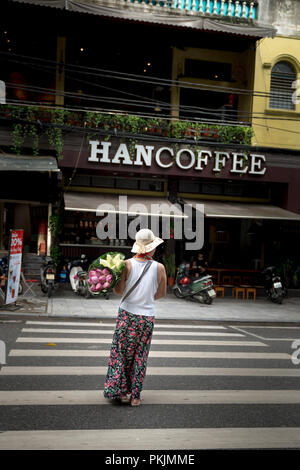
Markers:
point(276, 297)
point(87, 294)
point(44, 289)
point(177, 293)
point(49, 292)
point(20, 292)
point(204, 298)
point(207, 299)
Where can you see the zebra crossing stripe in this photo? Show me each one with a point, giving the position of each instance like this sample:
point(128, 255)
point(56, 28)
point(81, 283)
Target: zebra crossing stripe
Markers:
point(153, 353)
point(107, 341)
point(150, 397)
point(193, 342)
point(152, 371)
point(101, 324)
point(111, 332)
point(149, 439)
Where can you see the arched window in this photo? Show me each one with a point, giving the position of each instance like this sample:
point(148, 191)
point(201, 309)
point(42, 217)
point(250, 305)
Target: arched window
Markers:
point(282, 77)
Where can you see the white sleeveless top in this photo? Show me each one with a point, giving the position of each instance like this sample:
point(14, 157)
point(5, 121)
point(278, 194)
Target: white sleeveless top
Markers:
point(141, 299)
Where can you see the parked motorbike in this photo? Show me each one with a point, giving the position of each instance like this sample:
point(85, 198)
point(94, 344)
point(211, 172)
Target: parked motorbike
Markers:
point(273, 285)
point(48, 276)
point(78, 276)
point(200, 289)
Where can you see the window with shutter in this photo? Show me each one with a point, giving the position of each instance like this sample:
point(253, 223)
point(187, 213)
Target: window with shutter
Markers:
point(282, 77)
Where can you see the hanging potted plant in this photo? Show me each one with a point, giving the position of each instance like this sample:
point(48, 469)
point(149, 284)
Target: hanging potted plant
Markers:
point(169, 262)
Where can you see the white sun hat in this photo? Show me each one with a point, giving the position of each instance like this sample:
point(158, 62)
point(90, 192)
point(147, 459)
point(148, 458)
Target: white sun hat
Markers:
point(145, 241)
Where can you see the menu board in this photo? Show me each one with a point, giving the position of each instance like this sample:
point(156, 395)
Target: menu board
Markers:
point(14, 265)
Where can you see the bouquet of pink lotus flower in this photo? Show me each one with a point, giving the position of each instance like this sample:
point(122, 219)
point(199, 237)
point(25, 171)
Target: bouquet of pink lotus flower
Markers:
point(105, 272)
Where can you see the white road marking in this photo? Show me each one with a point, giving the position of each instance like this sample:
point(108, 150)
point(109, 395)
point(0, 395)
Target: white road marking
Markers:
point(164, 371)
point(150, 397)
point(152, 353)
point(187, 342)
point(149, 439)
point(262, 338)
point(111, 332)
point(273, 327)
point(100, 324)
point(106, 341)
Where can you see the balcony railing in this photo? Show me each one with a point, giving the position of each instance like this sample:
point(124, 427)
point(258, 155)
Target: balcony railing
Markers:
point(29, 126)
point(246, 10)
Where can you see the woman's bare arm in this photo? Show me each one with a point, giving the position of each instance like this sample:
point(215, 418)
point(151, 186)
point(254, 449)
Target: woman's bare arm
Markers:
point(162, 282)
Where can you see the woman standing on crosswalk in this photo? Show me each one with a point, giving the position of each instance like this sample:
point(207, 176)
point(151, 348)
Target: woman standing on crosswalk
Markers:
point(143, 281)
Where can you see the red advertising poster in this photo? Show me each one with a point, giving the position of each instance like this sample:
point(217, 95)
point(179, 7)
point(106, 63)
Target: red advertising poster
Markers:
point(14, 265)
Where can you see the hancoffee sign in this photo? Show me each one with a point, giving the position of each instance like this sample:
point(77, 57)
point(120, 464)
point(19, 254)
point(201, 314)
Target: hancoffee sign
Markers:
point(185, 158)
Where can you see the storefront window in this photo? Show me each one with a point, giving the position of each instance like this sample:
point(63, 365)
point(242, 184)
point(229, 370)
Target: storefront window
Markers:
point(146, 185)
point(101, 181)
point(127, 183)
point(248, 190)
point(189, 186)
point(89, 181)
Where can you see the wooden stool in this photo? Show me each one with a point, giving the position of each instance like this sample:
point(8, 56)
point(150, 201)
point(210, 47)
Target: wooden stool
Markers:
point(252, 292)
point(219, 289)
point(239, 290)
point(234, 291)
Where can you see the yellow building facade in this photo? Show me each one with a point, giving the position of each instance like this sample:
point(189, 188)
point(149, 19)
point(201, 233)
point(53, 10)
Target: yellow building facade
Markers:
point(276, 102)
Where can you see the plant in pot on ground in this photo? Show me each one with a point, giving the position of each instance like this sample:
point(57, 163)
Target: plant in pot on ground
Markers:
point(169, 262)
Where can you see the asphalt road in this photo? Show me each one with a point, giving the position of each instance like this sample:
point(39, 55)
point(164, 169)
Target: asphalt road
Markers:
point(208, 386)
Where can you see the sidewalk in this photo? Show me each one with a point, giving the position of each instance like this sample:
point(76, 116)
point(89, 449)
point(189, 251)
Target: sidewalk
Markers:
point(64, 303)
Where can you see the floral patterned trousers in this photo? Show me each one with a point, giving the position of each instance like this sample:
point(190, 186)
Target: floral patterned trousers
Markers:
point(128, 355)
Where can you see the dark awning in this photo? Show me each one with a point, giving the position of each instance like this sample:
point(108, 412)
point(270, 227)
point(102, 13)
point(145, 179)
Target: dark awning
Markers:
point(242, 210)
point(135, 12)
point(27, 163)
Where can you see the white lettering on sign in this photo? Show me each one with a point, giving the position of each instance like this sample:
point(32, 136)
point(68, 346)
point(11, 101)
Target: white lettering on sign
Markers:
point(239, 163)
point(185, 158)
point(256, 163)
point(157, 157)
point(203, 158)
point(95, 151)
point(122, 153)
point(178, 159)
point(220, 160)
point(144, 153)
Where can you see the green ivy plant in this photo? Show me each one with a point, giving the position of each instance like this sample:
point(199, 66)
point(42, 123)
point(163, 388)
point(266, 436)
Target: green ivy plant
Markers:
point(55, 224)
point(56, 255)
point(55, 135)
point(26, 119)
